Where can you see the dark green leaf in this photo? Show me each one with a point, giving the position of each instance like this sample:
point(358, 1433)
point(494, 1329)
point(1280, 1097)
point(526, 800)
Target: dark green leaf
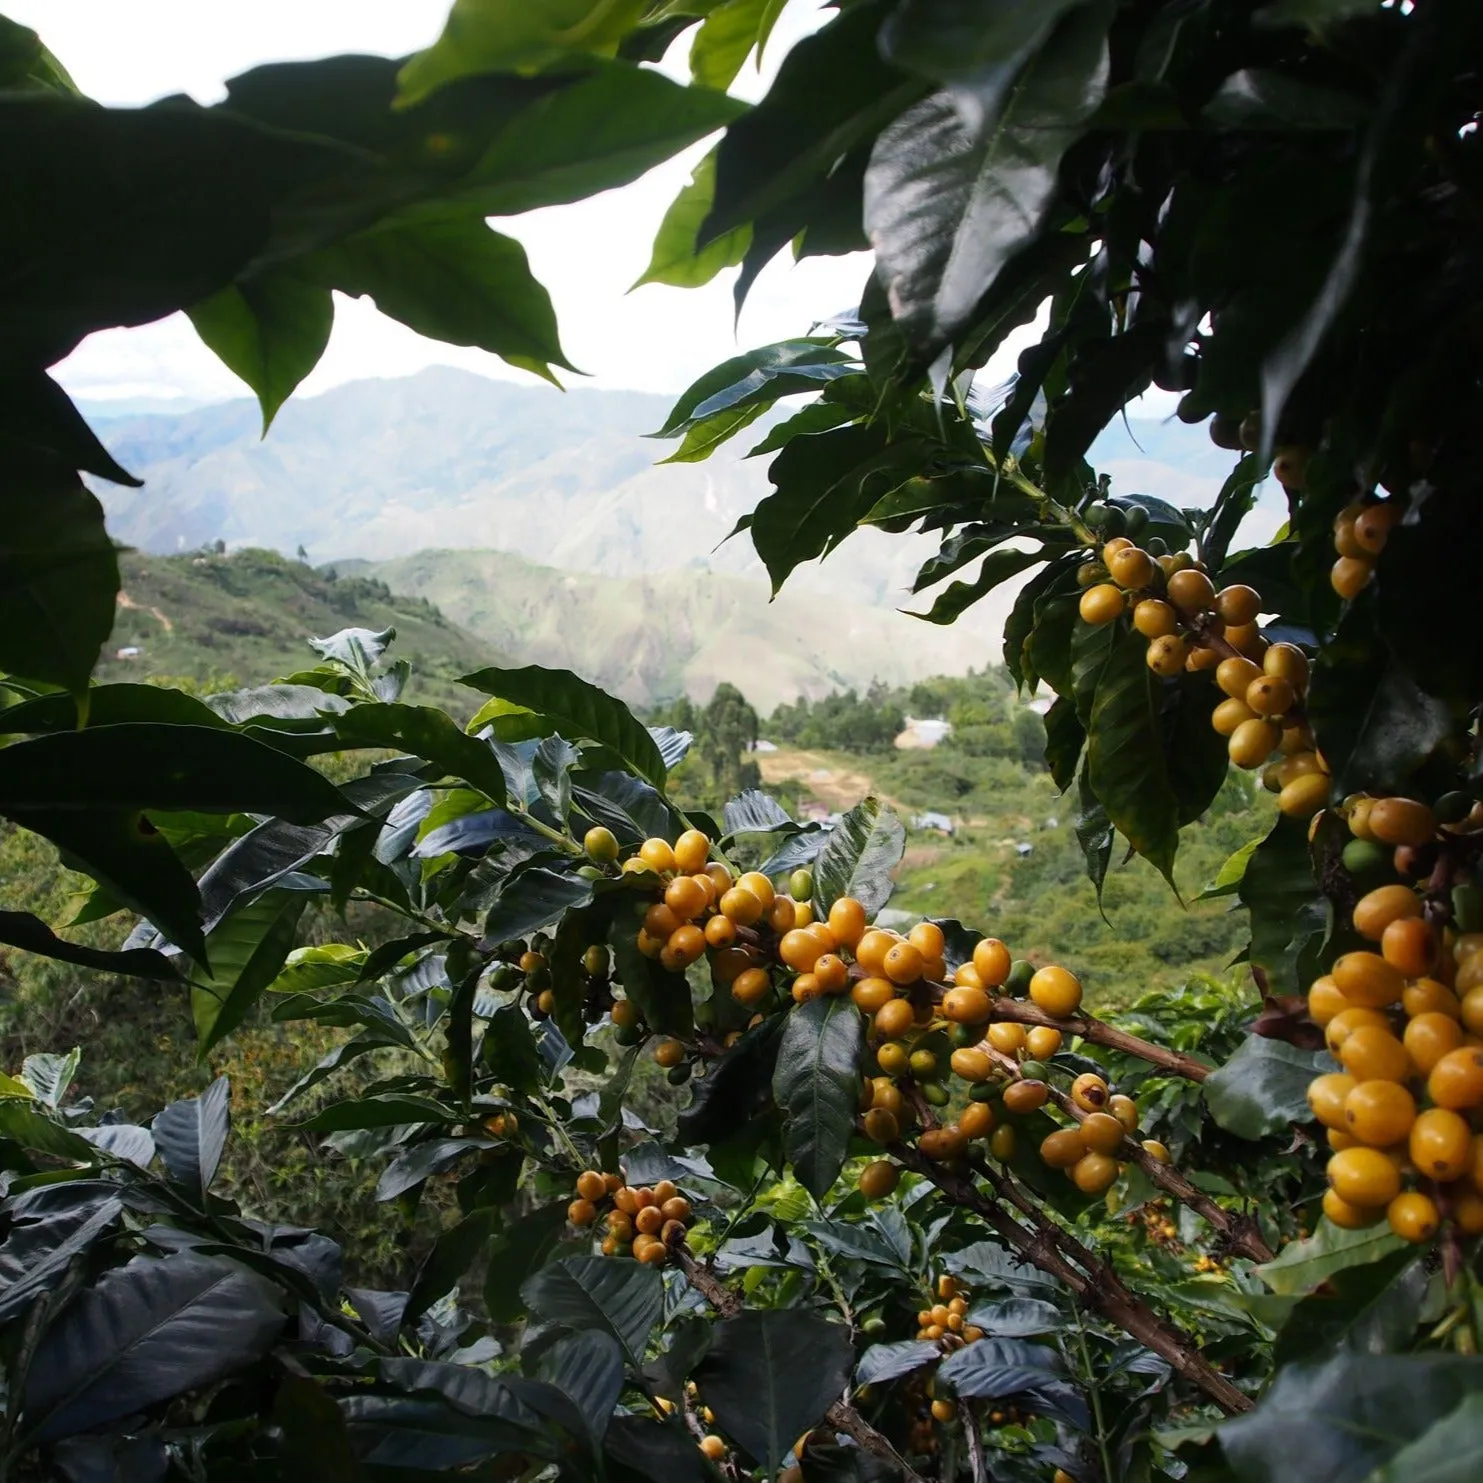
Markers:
point(246, 953)
point(1342, 1419)
point(1278, 888)
point(108, 705)
point(947, 207)
point(35, 1255)
point(34, 409)
point(824, 485)
point(21, 929)
point(588, 1367)
point(147, 1332)
point(385, 1111)
point(1064, 738)
point(315, 1433)
point(858, 858)
point(1018, 1318)
point(1309, 1264)
point(533, 899)
point(58, 570)
point(453, 1253)
point(578, 710)
point(1126, 764)
point(891, 1361)
point(737, 1086)
point(520, 1248)
point(770, 1376)
point(758, 378)
point(191, 1134)
point(726, 38)
point(1450, 1451)
point(421, 1161)
point(510, 1053)
point(997, 568)
point(1373, 1309)
point(429, 733)
point(624, 1299)
point(816, 1084)
point(799, 132)
point(641, 1450)
point(159, 766)
point(455, 281)
point(1263, 1088)
point(270, 330)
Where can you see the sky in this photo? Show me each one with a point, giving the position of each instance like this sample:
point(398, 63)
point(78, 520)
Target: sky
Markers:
point(125, 52)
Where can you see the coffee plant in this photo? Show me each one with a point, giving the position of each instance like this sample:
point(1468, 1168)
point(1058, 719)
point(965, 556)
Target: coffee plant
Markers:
point(908, 1208)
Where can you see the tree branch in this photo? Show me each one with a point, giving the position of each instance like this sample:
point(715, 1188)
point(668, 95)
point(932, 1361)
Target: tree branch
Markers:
point(1240, 1232)
point(1099, 1032)
point(1059, 1255)
point(842, 1416)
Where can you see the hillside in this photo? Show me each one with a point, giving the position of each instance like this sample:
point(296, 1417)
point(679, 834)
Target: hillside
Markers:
point(653, 638)
point(245, 618)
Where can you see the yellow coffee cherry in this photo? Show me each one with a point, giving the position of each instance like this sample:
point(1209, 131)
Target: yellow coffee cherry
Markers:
point(1377, 909)
point(1093, 1173)
point(1441, 1144)
point(1101, 604)
point(1238, 603)
point(1367, 980)
point(1252, 742)
point(1131, 568)
point(1379, 1113)
point(1288, 662)
point(1057, 991)
point(1155, 619)
point(1235, 675)
point(1350, 1217)
point(1230, 714)
point(1413, 1217)
point(1166, 655)
point(1364, 1177)
point(1350, 575)
point(1304, 796)
point(1191, 591)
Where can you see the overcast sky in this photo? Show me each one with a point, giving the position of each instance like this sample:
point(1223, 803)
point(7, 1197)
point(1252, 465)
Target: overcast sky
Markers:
point(655, 339)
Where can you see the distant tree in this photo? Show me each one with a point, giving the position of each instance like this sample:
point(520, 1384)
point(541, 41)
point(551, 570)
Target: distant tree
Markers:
point(726, 735)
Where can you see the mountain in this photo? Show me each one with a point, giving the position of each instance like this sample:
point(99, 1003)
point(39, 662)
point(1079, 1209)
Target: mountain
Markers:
point(655, 637)
point(482, 478)
point(246, 618)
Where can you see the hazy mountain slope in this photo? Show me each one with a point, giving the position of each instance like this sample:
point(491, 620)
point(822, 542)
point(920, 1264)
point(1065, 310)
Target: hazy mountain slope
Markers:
point(655, 637)
point(246, 618)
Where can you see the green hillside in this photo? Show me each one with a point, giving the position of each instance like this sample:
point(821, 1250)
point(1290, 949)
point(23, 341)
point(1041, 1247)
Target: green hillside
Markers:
point(240, 619)
point(653, 638)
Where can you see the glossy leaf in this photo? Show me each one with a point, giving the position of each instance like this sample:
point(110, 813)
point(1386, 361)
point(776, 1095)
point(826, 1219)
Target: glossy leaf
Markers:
point(736, 1087)
point(36, 1255)
point(520, 1248)
point(1342, 1419)
point(1303, 1266)
point(858, 858)
point(246, 953)
point(1018, 1318)
point(428, 733)
point(891, 1361)
point(1278, 888)
point(824, 485)
point(770, 1376)
point(1126, 765)
point(677, 258)
point(578, 710)
point(754, 812)
point(535, 898)
point(1263, 1088)
point(159, 766)
point(270, 330)
point(385, 1111)
point(58, 571)
point(489, 36)
point(1370, 1309)
point(21, 929)
point(510, 1052)
point(453, 1253)
point(588, 1367)
point(453, 280)
point(816, 1085)
point(1005, 1367)
point(191, 1135)
point(144, 1333)
point(1449, 1451)
point(623, 1299)
point(946, 208)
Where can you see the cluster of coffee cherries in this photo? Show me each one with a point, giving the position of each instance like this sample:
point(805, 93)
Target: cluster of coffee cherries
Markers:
point(1192, 627)
point(1404, 1018)
point(1360, 534)
point(524, 966)
point(945, 1320)
point(643, 1222)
